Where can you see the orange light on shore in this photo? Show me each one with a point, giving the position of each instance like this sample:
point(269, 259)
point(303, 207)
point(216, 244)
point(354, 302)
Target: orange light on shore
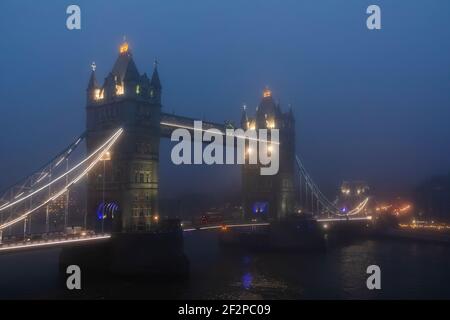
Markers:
point(405, 208)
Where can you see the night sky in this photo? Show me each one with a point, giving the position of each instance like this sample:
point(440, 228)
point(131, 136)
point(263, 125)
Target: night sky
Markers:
point(370, 105)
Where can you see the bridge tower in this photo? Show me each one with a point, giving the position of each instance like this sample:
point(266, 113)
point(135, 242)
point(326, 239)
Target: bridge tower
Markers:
point(270, 197)
point(122, 192)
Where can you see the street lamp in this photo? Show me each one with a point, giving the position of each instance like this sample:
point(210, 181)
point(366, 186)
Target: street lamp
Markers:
point(105, 157)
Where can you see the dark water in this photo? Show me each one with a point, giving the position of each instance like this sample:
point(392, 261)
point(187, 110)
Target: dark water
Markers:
point(408, 270)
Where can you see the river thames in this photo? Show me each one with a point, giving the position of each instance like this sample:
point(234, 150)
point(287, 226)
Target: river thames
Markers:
point(408, 271)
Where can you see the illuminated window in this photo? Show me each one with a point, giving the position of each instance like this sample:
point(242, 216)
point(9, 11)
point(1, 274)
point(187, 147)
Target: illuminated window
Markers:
point(138, 89)
point(270, 124)
point(120, 90)
point(98, 94)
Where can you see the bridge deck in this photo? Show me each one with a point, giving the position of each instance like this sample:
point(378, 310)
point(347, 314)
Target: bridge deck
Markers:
point(72, 240)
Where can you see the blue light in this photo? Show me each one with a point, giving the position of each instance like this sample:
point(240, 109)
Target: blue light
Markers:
point(103, 211)
point(100, 214)
point(247, 280)
point(260, 207)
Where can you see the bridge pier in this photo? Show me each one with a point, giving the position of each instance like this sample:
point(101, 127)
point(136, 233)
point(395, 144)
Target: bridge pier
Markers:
point(149, 254)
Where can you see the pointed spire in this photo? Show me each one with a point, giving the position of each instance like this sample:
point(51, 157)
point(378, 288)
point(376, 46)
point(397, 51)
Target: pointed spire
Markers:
point(124, 68)
point(93, 84)
point(131, 72)
point(244, 117)
point(155, 82)
point(291, 111)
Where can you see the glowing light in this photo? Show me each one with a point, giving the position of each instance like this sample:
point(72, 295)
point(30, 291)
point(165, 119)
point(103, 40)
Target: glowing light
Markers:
point(124, 48)
point(98, 94)
point(267, 93)
point(42, 177)
point(65, 189)
point(222, 133)
point(106, 156)
point(52, 242)
point(251, 125)
point(357, 209)
point(4, 205)
point(20, 194)
point(344, 219)
point(113, 137)
point(270, 124)
point(120, 90)
point(59, 162)
point(156, 218)
point(405, 208)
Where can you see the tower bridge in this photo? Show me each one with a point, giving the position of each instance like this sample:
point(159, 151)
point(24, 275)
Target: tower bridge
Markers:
point(124, 125)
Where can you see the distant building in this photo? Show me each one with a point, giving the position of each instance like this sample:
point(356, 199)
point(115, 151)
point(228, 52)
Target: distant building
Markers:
point(432, 198)
point(351, 194)
point(270, 197)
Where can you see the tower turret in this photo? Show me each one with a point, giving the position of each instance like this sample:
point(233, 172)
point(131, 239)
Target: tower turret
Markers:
point(267, 113)
point(155, 84)
point(244, 117)
point(270, 197)
point(93, 89)
point(131, 173)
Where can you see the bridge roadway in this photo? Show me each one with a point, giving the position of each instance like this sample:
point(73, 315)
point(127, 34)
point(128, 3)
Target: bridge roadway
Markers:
point(88, 237)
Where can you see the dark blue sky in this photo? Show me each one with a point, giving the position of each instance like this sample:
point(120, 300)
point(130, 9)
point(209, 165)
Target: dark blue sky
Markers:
point(372, 105)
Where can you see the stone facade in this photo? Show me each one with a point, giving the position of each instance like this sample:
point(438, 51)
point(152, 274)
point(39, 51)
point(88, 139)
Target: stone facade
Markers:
point(133, 102)
point(270, 197)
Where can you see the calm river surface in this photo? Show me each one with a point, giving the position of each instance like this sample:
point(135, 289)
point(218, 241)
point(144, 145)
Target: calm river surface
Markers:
point(408, 271)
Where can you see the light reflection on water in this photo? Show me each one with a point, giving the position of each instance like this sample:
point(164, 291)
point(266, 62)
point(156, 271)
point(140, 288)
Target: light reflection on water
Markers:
point(408, 271)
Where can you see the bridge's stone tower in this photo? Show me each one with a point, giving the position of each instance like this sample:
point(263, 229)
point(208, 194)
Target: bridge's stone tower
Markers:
point(126, 184)
point(270, 197)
